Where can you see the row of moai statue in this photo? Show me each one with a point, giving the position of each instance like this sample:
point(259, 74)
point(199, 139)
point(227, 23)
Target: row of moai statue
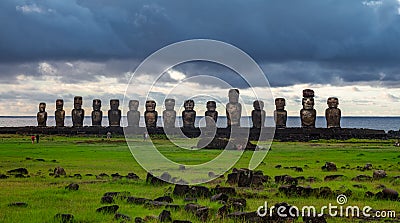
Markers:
point(233, 113)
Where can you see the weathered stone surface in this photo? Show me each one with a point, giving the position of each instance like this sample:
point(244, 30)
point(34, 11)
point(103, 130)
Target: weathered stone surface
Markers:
point(169, 115)
point(3, 176)
point(132, 176)
point(379, 174)
point(308, 114)
point(42, 115)
point(368, 166)
point(181, 190)
point(211, 115)
point(226, 190)
point(165, 216)
point(233, 200)
point(64, 218)
point(137, 200)
point(108, 209)
point(258, 114)
point(329, 166)
point(114, 114)
point(280, 114)
point(362, 178)
point(391, 194)
point(245, 177)
point(154, 180)
point(151, 115)
point(167, 199)
point(188, 115)
point(58, 171)
point(18, 170)
point(124, 217)
point(107, 200)
point(333, 177)
point(219, 197)
point(72, 186)
point(199, 191)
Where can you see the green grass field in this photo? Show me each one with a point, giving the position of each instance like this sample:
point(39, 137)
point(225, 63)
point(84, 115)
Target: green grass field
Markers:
point(46, 196)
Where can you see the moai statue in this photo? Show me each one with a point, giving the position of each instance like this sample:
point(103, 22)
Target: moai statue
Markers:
point(280, 114)
point(133, 113)
point(308, 114)
point(333, 113)
point(59, 114)
point(233, 108)
point(169, 115)
point(78, 114)
point(42, 115)
point(258, 114)
point(188, 115)
point(97, 114)
point(211, 115)
point(150, 115)
point(114, 114)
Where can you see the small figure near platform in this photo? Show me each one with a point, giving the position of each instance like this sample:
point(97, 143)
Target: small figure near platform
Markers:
point(258, 114)
point(169, 114)
point(59, 114)
point(233, 109)
point(333, 113)
point(78, 114)
point(114, 114)
point(188, 115)
point(97, 114)
point(308, 114)
point(211, 115)
point(133, 114)
point(151, 115)
point(42, 115)
point(280, 114)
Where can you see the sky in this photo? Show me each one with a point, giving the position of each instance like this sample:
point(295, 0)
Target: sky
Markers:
point(53, 49)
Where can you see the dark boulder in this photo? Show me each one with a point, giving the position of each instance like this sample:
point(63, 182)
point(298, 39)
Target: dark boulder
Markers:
point(108, 209)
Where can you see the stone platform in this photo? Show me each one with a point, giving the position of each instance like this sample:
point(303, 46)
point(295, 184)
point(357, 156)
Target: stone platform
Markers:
point(287, 134)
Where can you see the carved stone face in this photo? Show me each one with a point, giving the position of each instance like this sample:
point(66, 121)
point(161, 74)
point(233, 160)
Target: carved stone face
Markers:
point(96, 104)
point(333, 102)
point(133, 105)
point(280, 103)
point(308, 103)
point(77, 102)
point(258, 105)
point(42, 107)
point(59, 104)
point(233, 96)
point(189, 105)
point(169, 104)
point(211, 105)
point(150, 105)
point(114, 104)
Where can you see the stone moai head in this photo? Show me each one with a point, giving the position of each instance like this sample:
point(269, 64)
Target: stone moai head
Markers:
point(233, 95)
point(308, 103)
point(280, 103)
point(169, 104)
point(96, 104)
point(150, 105)
point(211, 105)
point(258, 105)
point(42, 107)
point(114, 104)
point(133, 105)
point(59, 104)
point(333, 102)
point(78, 102)
point(188, 105)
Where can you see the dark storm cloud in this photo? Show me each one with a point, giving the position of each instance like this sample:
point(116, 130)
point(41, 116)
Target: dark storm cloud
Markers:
point(294, 41)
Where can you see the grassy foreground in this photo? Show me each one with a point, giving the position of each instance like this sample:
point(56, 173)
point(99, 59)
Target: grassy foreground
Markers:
point(46, 196)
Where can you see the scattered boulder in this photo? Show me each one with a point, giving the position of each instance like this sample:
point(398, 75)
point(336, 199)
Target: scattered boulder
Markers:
point(199, 211)
point(190, 199)
point(181, 190)
point(219, 197)
point(165, 216)
point(389, 194)
point(119, 216)
point(223, 211)
point(18, 204)
point(368, 166)
point(298, 169)
point(325, 192)
point(107, 200)
point(278, 166)
point(132, 176)
point(379, 174)
point(19, 175)
point(333, 177)
point(362, 178)
point(103, 175)
point(154, 180)
point(59, 171)
point(64, 218)
point(108, 209)
point(233, 200)
point(3, 176)
point(72, 186)
point(232, 178)
point(137, 200)
point(77, 175)
point(165, 177)
point(116, 176)
point(225, 190)
point(167, 199)
point(329, 166)
point(199, 191)
point(18, 171)
point(243, 216)
point(286, 179)
point(245, 177)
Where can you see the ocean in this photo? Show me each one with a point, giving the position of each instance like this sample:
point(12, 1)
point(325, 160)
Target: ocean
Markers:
point(382, 123)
